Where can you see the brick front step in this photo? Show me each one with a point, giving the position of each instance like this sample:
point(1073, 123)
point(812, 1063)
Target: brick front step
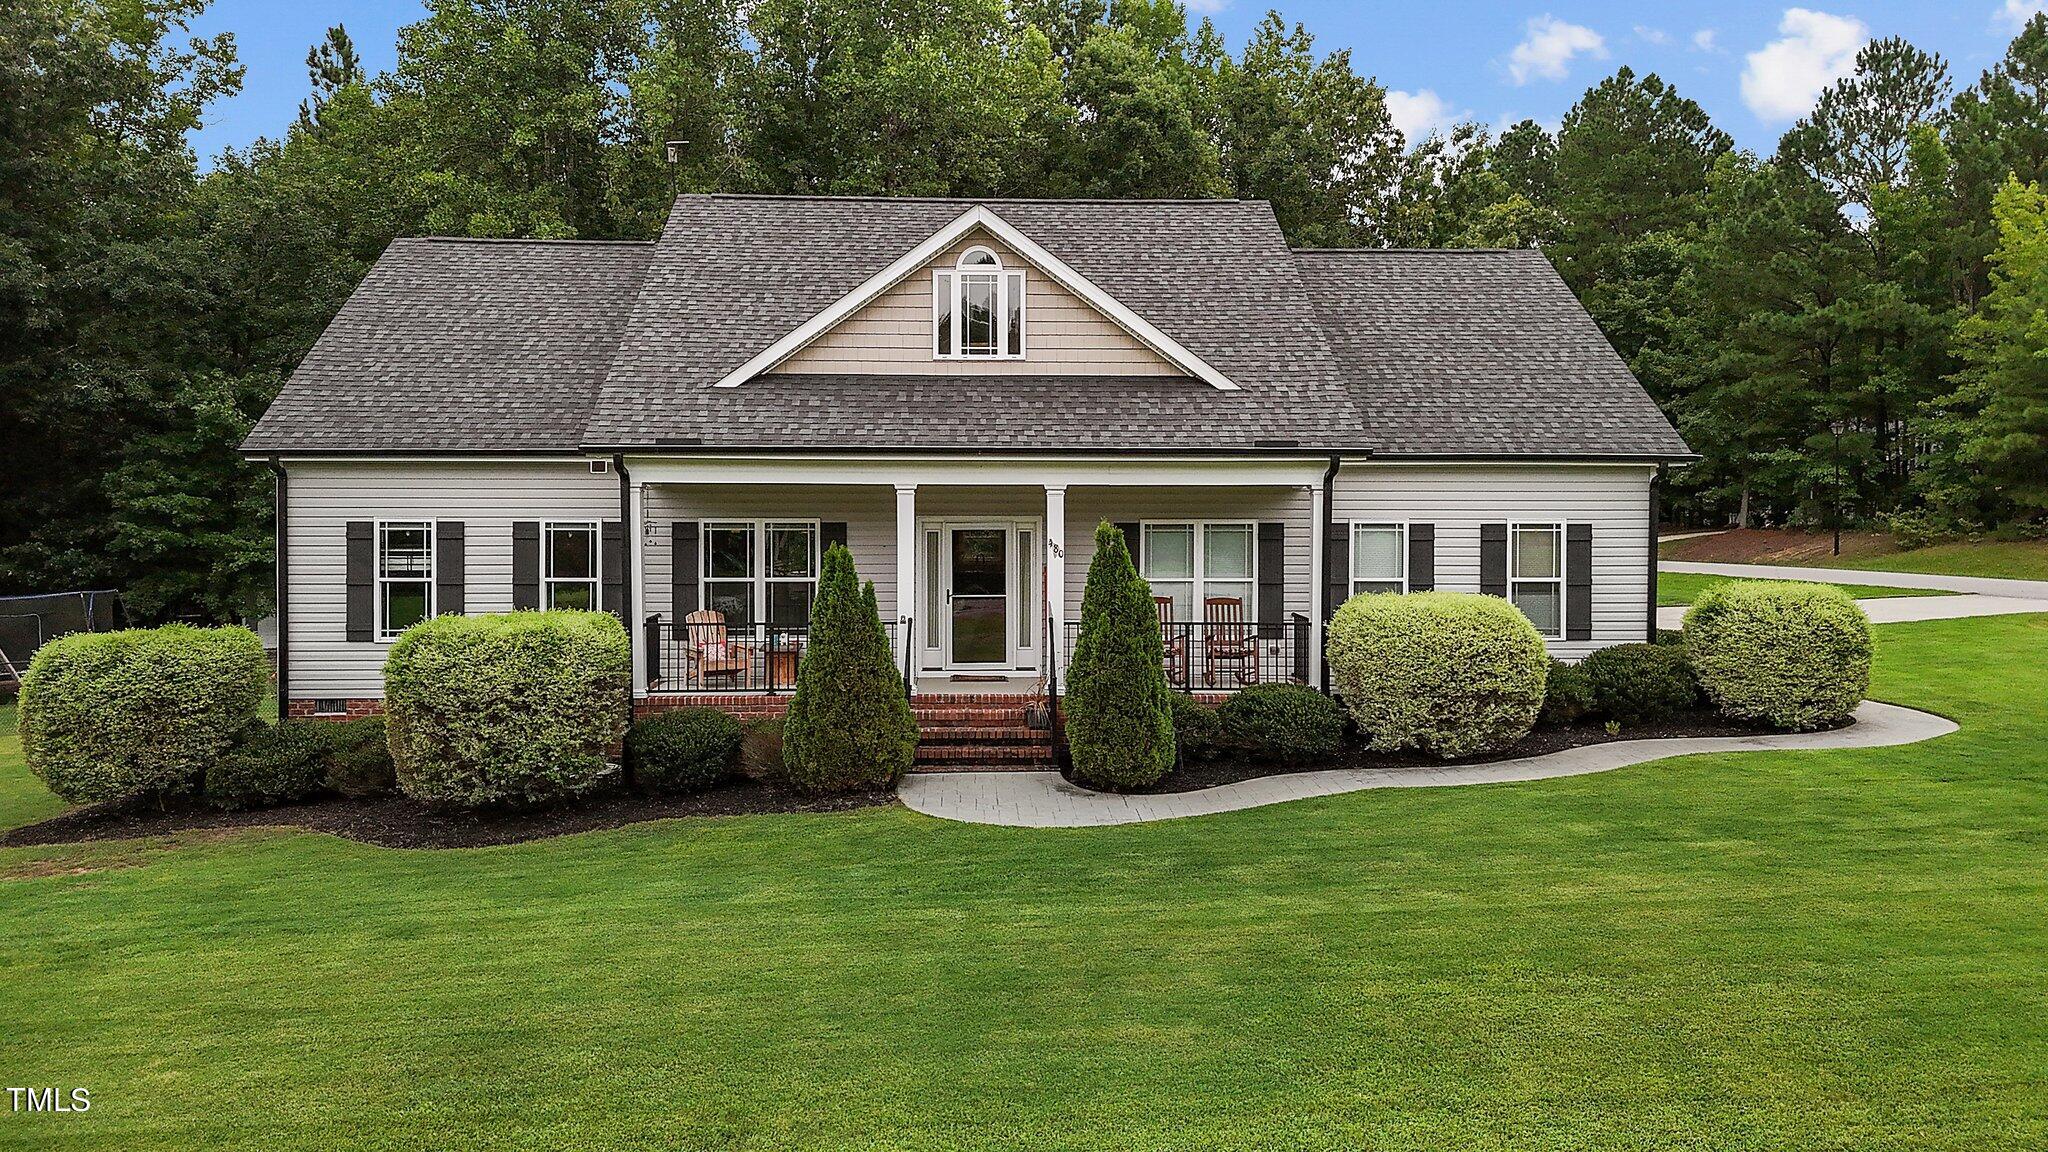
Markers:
point(992, 757)
point(979, 719)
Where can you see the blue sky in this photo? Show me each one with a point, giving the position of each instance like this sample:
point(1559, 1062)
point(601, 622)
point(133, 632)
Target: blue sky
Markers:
point(1755, 67)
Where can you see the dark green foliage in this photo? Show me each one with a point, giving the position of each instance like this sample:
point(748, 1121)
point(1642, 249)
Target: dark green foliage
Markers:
point(109, 715)
point(1285, 722)
point(761, 751)
point(1791, 655)
point(514, 708)
point(270, 765)
point(1568, 695)
point(1119, 719)
point(1671, 637)
point(1197, 729)
point(1641, 683)
point(359, 765)
point(684, 751)
point(849, 726)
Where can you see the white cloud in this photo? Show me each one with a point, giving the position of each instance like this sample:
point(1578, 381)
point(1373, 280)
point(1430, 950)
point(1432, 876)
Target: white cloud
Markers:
point(1205, 7)
point(1548, 49)
point(1704, 40)
point(1786, 76)
point(2016, 13)
point(1417, 114)
point(1652, 35)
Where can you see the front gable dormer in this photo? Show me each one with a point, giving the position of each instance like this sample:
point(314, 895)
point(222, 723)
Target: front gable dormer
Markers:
point(978, 297)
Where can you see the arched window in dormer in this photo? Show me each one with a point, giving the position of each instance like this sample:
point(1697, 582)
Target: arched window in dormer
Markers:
point(978, 308)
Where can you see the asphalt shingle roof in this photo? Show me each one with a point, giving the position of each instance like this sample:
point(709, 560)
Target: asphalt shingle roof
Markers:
point(508, 346)
point(1455, 352)
point(462, 345)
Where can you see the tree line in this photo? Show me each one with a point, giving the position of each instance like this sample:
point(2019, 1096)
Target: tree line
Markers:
point(1851, 326)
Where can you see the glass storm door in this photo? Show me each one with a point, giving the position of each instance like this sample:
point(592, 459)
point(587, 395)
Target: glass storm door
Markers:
point(978, 596)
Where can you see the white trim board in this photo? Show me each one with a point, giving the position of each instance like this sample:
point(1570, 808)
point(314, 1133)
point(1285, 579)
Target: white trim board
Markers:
point(1024, 471)
point(910, 262)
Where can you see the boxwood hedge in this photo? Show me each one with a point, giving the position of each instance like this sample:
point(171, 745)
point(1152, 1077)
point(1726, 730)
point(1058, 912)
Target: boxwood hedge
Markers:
point(1448, 673)
point(518, 708)
point(1787, 654)
point(113, 714)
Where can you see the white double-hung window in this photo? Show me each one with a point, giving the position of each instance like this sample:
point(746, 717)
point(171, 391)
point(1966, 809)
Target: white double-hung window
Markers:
point(405, 575)
point(569, 572)
point(760, 571)
point(1536, 575)
point(1379, 558)
point(977, 308)
point(1192, 563)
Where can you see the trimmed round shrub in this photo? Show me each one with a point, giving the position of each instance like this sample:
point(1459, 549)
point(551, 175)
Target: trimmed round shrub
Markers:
point(517, 708)
point(360, 765)
point(107, 715)
point(1119, 715)
point(1285, 722)
point(1449, 673)
point(1641, 683)
point(1567, 695)
point(761, 751)
point(273, 764)
point(684, 751)
point(849, 726)
point(1786, 654)
point(1197, 729)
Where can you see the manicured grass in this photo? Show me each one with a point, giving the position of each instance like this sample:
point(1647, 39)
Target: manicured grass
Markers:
point(1839, 950)
point(22, 797)
point(1870, 551)
point(1685, 587)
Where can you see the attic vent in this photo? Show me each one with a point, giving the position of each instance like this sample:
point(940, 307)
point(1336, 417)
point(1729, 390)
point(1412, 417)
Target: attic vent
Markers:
point(600, 467)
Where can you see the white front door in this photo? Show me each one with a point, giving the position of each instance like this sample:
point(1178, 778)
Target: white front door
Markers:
point(982, 600)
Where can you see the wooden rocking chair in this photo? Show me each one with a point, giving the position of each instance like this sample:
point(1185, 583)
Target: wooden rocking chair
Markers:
point(1227, 638)
point(708, 653)
point(1175, 637)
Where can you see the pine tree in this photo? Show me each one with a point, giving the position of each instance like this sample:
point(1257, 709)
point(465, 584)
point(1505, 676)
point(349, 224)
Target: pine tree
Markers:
point(2001, 405)
point(849, 725)
point(1119, 717)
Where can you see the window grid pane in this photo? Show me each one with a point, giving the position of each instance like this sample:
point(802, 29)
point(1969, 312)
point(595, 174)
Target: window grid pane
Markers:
point(1169, 551)
point(1013, 342)
point(792, 551)
point(942, 319)
point(1536, 552)
point(1542, 602)
point(1376, 553)
point(729, 551)
point(1227, 551)
point(1182, 593)
point(977, 315)
point(572, 553)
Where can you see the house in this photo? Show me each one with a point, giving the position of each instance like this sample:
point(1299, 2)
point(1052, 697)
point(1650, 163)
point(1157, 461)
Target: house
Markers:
point(959, 391)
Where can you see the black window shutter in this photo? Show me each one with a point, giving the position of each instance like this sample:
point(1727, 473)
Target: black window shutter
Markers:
point(612, 568)
point(831, 532)
point(1272, 578)
point(1421, 557)
point(361, 581)
point(1493, 559)
point(451, 567)
point(1578, 582)
point(682, 538)
point(1130, 532)
point(525, 564)
point(1336, 567)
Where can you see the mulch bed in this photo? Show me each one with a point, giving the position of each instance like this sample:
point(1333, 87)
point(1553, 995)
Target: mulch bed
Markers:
point(396, 822)
point(1199, 774)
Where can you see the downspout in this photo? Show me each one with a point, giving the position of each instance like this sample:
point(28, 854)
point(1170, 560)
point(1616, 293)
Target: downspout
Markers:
point(1656, 491)
point(284, 593)
point(629, 535)
point(1329, 526)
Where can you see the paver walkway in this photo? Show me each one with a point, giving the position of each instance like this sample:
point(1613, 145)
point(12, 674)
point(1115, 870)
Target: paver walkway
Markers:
point(1981, 595)
point(1047, 800)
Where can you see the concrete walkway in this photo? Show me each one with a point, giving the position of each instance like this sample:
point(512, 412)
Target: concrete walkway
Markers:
point(1979, 595)
point(1046, 800)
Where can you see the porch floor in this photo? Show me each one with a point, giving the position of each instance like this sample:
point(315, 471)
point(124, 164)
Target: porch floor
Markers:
point(976, 683)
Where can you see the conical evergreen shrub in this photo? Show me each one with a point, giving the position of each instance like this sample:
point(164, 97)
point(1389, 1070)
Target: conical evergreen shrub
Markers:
point(1119, 709)
point(849, 726)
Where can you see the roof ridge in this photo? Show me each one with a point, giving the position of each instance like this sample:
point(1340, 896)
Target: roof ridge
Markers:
point(1092, 200)
point(529, 240)
point(1411, 251)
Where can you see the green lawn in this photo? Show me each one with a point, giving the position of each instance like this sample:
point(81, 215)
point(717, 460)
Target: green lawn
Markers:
point(1838, 950)
point(1869, 551)
point(1685, 587)
point(2010, 559)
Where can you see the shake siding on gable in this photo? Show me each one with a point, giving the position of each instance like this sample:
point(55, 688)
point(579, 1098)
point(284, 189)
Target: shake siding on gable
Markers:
point(1459, 499)
point(486, 497)
point(1063, 335)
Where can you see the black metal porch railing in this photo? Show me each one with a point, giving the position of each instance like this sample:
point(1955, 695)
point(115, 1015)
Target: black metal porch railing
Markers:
point(721, 658)
point(1224, 657)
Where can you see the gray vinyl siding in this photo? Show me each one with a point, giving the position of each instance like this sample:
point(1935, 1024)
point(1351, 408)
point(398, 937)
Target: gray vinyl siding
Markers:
point(1088, 507)
point(869, 512)
point(1614, 499)
point(487, 496)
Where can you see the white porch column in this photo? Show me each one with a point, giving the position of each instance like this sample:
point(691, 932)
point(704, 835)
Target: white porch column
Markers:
point(635, 531)
point(1056, 572)
point(1318, 584)
point(906, 581)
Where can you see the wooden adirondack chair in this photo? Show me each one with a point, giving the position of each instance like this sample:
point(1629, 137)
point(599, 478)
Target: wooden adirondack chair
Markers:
point(1175, 637)
point(1227, 638)
point(709, 653)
